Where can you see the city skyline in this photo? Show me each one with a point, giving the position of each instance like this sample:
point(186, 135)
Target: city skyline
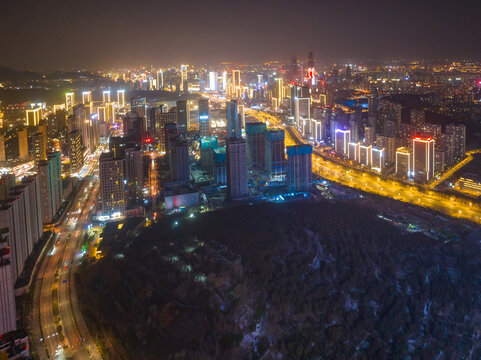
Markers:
point(125, 33)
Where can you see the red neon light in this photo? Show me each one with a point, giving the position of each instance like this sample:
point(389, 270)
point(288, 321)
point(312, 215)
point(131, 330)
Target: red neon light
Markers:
point(148, 140)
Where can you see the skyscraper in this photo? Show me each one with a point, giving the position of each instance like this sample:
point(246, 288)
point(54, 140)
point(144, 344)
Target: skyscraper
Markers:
point(423, 158)
point(160, 80)
point(183, 116)
point(50, 184)
point(341, 140)
point(236, 160)
point(232, 120)
point(302, 110)
point(22, 145)
point(75, 152)
point(275, 161)
point(69, 100)
point(242, 115)
point(106, 96)
point(204, 118)
point(121, 98)
point(255, 141)
point(134, 176)
point(184, 79)
point(404, 158)
point(220, 172)
point(299, 167)
point(179, 160)
point(40, 145)
point(33, 116)
point(8, 315)
point(459, 140)
point(213, 81)
point(112, 190)
point(86, 97)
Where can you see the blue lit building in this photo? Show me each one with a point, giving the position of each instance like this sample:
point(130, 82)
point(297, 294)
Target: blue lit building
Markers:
point(275, 161)
point(220, 173)
point(207, 146)
point(204, 118)
point(299, 167)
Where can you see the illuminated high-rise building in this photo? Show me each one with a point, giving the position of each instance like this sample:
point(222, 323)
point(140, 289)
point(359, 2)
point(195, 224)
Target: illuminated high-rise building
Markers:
point(418, 117)
point(369, 135)
point(365, 155)
point(388, 143)
point(232, 120)
point(236, 82)
point(341, 140)
point(255, 141)
point(458, 133)
point(2, 149)
point(404, 162)
point(121, 98)
point(86, 97)
point(213, 81)
point(207, 146)
point(134, 176)
point(279, 91)
point(160, 80)
point(302, 110)
point(69, 100)
point(183, 116)
point(184, 79)
point(106, 96)
point(353, 151)
point(299, 167)
point(112, 189)
point(275, 160)
point(23, 145)
point(33, 116)
point(423, 158)
point(236, 161)
point(242, 115)
point(204, 117)
point(75, 152)
point(40, 145)
point(220, 172)
point(377, 159)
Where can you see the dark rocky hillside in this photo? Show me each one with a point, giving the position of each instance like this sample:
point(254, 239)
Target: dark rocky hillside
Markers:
point(292, 281)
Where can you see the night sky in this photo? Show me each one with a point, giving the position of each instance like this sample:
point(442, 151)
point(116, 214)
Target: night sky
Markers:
point(93, 34)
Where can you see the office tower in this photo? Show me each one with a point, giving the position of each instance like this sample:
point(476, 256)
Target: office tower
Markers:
point(8, 315)
point(170, 134)
point(232, 120)
point(275, 161)
point(212, 81)
point(302, 107)
point(91, 133)
point(183, 116)
point(377, 159)
point(317, 132)
point(389, 145)
point(134, 176)
point(33, 116)
point(40, 145)
point(369, 135)
point(112, 190)
point(50, 184)
point(110, 113)
point(423, 158)
point(160, 80)
point(86, 97)
point(207, 146)
point(224, 81)
point(179, 160)
point(220, 172)
point(106, 96)
point(69, 100)
point(75, 152)
point(299, 167)
point(7, 183)
point(23, 145)
point(184, 79)
point(406, 133)
point(439, 160)
point(121, 98)
point(255, 140)
point(417, 117)
point(459, 140)
point(204, 118)
point(404, 161)
point(236, 161)
point(341, 140)
point(2, 149)
point(242, 115)
point(431, 130)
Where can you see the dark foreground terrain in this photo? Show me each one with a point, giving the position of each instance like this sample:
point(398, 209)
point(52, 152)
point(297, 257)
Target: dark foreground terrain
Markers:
point(292, 281)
